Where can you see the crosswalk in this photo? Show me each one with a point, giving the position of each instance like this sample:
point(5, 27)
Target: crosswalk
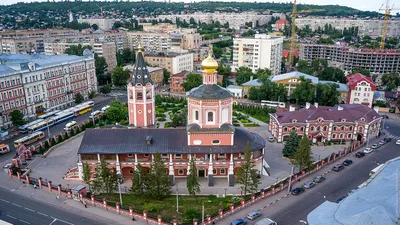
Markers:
point(394, 137)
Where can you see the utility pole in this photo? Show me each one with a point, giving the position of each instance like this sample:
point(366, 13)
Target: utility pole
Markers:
point(202, 213)
point(290, 180)
point(119, 188)
point(177, 199)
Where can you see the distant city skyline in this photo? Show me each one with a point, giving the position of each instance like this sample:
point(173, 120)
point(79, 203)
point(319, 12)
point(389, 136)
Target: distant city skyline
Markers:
point(357, 4)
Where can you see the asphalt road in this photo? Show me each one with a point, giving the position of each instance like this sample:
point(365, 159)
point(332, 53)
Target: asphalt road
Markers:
point(19, 210)
point(57, 129)
point(292, 209)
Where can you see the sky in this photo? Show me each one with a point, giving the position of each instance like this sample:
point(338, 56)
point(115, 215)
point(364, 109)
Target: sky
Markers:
point(358, 4)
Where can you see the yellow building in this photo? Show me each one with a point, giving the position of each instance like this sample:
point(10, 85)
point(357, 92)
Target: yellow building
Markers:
point(290, 80)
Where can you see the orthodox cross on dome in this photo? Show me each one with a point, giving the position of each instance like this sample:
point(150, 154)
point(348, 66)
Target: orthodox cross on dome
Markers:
point(210, 50)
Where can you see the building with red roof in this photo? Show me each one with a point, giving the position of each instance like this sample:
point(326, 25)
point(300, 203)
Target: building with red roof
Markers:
point(361, 88)
point(281, 24)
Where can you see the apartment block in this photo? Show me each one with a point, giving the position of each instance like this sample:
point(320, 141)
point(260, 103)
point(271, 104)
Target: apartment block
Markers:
point(173, 62)
point(374, 60)
point(262, 51)
point(104, 49)
point(34, 83)
point(104, 24)
point(371, 28)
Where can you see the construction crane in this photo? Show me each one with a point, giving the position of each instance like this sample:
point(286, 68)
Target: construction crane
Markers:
point(293, 32)
point(387, 10)
point(101, 9)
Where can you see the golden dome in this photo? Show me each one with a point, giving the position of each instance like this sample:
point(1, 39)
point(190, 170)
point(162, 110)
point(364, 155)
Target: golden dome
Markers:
point(209, 63)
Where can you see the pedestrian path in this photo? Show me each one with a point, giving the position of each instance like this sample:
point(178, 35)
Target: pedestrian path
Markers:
point(394, 137)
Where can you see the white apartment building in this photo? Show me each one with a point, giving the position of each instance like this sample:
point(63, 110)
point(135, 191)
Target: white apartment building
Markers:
point(262, 51)
point(151, 42)
point(104, 24)
point(34, 83)
point(103, 49)
point(371, 28)
point(362, 89)
point(173, 62)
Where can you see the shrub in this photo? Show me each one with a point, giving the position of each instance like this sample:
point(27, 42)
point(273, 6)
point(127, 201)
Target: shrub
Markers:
point(161, 119)
point(46, 144)
point(60, 138)
point(72, 132)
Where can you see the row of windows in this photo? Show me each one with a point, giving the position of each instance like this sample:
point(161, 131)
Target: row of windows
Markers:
point(360, 89)
point(12, 104)
point(12, 94)
point(6, 84)
point(324, 128)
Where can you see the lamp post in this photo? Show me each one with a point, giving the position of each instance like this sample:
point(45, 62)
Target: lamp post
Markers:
point(177, 199)
point(119, 188)
point(290, 180)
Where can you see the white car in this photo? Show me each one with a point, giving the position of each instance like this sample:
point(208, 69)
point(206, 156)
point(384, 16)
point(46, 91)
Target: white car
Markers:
point(398, 142)
point(368, 150)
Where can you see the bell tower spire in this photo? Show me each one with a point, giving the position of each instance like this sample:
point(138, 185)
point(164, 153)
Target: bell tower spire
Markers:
point(209, 67)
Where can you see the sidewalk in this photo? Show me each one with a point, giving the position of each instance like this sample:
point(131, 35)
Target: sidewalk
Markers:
point(43, 195)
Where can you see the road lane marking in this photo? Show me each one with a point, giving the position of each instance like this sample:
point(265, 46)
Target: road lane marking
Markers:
point(11, 217)
point(53, 221)
point(4, 200)
point(17, 205)
point(42, 214)
point(30, 209)
point(24, 221)
point(63, 221)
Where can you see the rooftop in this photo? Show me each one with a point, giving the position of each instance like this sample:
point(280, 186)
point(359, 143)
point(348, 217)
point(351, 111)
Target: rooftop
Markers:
point(294, 74)
point(354, 79)
point(253, 83)
point(231, 87)
point(374, 203)
point(164, 54)
point(341, 88)
point(209, 91)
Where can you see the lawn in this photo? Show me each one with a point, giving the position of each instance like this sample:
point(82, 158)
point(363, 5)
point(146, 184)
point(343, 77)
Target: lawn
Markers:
point(251, 125)
point(189, 206)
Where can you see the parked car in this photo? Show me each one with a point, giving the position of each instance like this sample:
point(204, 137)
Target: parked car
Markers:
point(297, 191)
point(319, 179)
point(360, 154)
point(382, 142)
point(240, 221)
point(253, 215)
point(375, 146)
point(368, 150)
point(338, 167)
point(309, 184)
point(271, 139)
point(398, 142)
point(387, 139)
point(347, 162)
point(266, 221)
point(340, 199)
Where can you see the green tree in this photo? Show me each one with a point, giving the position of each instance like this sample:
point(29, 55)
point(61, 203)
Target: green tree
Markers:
point(100, 64)
point(328, 95)
point(106, 180)
point(119, 76)
point(192, 181)
point(105, 89)
point(140, 181)
point(92, 94)
point(243, 74)
point(302, 158)
point(77, 49)
point(159, 184)
point(224, 70)
point(304, 92)
point(17, 118)
point(263, 73)
point(333, 74)
point(193, 80)
point(253, 94)
point(364, 72)
point(167, 74)
point(128, 56)
point(391, 80)
point(117, 111)
point(291, 145)
point(247, 175)
point(78, 98)
point(95, 27)
point(87, 173)
point(318, 65)
point(178, 120)
point(302, 66)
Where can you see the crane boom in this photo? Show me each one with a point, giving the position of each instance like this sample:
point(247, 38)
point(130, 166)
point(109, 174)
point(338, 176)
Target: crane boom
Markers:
point(387, 10)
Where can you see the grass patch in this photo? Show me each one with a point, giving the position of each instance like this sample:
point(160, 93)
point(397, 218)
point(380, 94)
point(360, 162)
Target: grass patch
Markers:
point(161, 119)
point(167, 124)
point(236, 124)
point(189, 206)
point(251, 125)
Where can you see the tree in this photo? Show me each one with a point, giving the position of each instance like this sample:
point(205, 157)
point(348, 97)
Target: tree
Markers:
point(167, 74)
point(17, 118)
point(87, 173)
point(302, 66)
point(95, 27)
point(192, 181)
point(117, 111)
point(304, 92)
point(119, 76)
point(247, 175)
point(302, 158)
point(105, 89)
point(140, 181)
point(92, 94)
point(263, 73)
point(328, 94)
point(291, 145)
point(333, 74)
point(253, 94)
point(193, 80)
point(78, 98)
point(128, 56)
point(224, 70)
point(391, 80)
point(178, 120)
point(106, 180)
point(100, 64)
point(159, 184)
point(77, 49)
point(243, 74)
point(364, 72)
point(318, 65)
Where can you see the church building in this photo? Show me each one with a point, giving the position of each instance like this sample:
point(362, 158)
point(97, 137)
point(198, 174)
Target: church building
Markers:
point(216, 145)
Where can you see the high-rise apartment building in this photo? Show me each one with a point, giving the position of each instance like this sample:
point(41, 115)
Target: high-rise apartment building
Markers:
point(262, 51)
point(34, 83)
point(173, 62)
point(373, 60)
point(102, 23)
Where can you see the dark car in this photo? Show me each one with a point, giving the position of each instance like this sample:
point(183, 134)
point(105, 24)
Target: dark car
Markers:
point(347, 162)
point(240, 221)
point(338, 167)
point(297, 191)
point(319, 179)
point(360, 154)
point(387, 139)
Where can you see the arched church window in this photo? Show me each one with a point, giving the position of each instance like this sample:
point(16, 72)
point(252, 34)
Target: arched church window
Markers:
point(130, 95)
point(148, 95)
point(196, 115)
point(139, 96)
point(210, 117)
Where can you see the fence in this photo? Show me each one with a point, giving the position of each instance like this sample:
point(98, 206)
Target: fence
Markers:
point(210, 219)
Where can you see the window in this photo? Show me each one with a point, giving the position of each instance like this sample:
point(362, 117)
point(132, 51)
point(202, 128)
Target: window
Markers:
point(301, 128)
point(148, 95)
point(181, 171)
point(131, 171)
point(214, 171)
point(293, 128)
point(333, 136)
point(285, 129)
point(351, 128)
point(325, 128)
point(210, 117)
point(146, 155)
point(196, 115)
point(178, 156)
point(215, 142)
point(221, 156)
point(312, 128)
point(164, 156)
point(139, 96)
point(341, 136)
point(222, 171)
point(130, 155)
point(334, 128)
point(349, 136)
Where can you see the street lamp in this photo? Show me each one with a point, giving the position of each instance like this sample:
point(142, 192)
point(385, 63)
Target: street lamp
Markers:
point(119, 188)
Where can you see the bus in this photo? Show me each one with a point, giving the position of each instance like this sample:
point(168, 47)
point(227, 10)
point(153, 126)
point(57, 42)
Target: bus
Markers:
point(41, 126)
point(95, 114)
point(70, 125)
point(4, 149)
point(27, 140)
point(91, 103)
point(82, 110)
point(63, 116)
point(273, 104)
point(104, 109)
point(375, 169)
point(24, 128)
point(48, 114)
